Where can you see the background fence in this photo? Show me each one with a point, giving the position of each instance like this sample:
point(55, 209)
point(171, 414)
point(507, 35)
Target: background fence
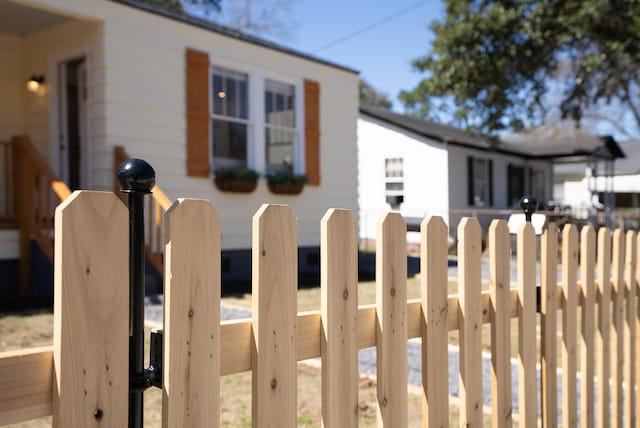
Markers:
point(83, 379)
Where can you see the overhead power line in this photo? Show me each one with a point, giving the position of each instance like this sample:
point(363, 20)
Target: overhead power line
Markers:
point(370, 26)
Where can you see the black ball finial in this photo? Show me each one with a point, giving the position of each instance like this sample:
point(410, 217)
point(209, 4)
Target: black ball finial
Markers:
point(136, 176)
point(529, 205)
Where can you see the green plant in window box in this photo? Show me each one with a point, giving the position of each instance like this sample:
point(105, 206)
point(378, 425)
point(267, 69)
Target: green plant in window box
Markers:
point(236, 180)
point(287, 184)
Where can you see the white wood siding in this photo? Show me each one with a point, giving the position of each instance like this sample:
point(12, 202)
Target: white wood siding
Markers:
point(425, 173)
point(139, 77)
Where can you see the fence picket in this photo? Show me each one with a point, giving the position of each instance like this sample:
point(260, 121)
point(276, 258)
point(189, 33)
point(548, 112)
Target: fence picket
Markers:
point(391, 329)
point(549, 328)
point(587, 266)
point(602, 336)
point(191, 369)
point(499, 283)
point(636, 344)
point(470, 322)
point(630, 329)
point(339, 306)
point(569, 320)
point(435, 352)
point(617, 346)
point(527, 390)
point(91, 315)
point(274, 307)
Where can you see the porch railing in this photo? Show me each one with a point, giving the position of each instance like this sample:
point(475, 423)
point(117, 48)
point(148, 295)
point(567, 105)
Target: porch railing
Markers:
point(32, 192)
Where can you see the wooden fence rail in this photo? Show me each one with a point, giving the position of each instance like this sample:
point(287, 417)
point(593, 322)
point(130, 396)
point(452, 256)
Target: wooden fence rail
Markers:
point(85, 372)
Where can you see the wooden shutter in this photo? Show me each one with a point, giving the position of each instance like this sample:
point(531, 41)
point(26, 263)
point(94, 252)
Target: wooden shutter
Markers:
point(198, 140)
point(312, 131)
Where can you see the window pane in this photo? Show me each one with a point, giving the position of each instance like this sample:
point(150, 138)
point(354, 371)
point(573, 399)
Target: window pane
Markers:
point(218, 95)
point(395, 185)
point(230, 93)
point(280, 150)
point(279, 105)
point(229, 144)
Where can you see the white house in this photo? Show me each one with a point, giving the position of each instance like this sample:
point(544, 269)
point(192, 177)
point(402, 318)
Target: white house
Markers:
point(184, 94)
point(421, 168)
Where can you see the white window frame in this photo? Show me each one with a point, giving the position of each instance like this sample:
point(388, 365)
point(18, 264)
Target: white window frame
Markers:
point(394, 179)
point(256, 121)
point(295, 130)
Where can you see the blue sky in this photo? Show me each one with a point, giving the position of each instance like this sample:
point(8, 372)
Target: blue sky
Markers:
point(382, 54)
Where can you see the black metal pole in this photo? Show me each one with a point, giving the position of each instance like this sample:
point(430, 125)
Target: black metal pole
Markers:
point(529, 205)
point(137, 178)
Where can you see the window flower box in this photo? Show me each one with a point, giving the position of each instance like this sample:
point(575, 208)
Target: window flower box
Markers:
point(286, 184)
point(237, 181)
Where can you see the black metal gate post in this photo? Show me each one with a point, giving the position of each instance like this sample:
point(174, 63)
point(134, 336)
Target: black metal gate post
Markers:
point(137, 178)
point(529, 205)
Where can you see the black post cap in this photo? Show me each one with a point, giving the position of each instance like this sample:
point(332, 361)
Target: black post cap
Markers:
point(136, 176)
point(529, 205)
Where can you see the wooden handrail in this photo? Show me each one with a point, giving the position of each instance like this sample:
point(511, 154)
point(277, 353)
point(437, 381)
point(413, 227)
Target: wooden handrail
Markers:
point(36, 192)
point(8, 213)
point(158, 204)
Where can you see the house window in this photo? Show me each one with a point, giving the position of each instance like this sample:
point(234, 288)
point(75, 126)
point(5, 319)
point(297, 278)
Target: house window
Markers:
point(230, 118)
point(480, 178)
point(280, 126)
point(394, 181)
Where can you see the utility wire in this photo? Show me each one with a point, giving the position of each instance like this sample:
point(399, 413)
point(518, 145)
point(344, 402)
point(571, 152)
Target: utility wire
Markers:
point(370, 26)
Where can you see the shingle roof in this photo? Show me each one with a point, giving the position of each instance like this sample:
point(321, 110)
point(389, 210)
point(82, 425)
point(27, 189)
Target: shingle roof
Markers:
point(602, 146)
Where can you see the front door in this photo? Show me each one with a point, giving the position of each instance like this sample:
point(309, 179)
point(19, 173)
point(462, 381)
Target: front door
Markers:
point(73, 123)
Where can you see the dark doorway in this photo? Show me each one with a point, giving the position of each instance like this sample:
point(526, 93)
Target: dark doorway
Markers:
point(73, 91)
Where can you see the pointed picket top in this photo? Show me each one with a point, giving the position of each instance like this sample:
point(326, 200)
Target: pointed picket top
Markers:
point(434, 286)
point(391, 337)
point(91, 311)
point(469, 291)
point(339, 308)
point(499, 285)
point(191, 315)
point(274, 309)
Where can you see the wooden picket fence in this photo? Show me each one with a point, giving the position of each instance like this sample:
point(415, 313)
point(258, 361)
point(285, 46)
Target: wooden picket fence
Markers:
point(82, 380)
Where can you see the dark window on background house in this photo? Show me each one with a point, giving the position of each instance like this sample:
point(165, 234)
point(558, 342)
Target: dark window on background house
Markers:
point(230, 118)
point(515, 184)
point(480, 182)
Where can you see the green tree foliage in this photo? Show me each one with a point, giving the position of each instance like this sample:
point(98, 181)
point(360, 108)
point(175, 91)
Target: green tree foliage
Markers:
point(506, 64)
point(370, 96)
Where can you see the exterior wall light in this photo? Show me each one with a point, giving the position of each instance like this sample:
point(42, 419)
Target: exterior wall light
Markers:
point(35, 82)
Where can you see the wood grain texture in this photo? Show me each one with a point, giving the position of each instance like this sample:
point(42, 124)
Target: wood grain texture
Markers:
point(470, 321)
point(569, 328)
point(339, 307)
point(549, 327)
point(499, 285)
point(434, 301)
point(26, 382)
point(636, 343)
point(274, 307)
point(91, 312)
point(588, 325)
point(617, 334)
point(630, 328)
point(391, 321)
point(603, 368)
point(191, 369)
point(527, 389)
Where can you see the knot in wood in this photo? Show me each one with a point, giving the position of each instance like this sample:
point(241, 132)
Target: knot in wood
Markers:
point(393, 291)
point(98, 414)
point(190, 313)
point(345, 294)
point(274, 383)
